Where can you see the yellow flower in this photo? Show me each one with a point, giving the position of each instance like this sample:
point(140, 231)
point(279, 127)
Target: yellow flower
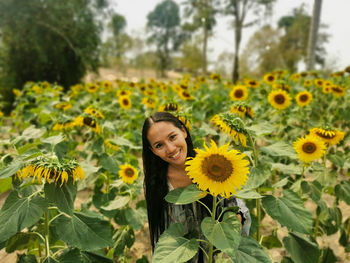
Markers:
point(87, 121)
point(309, 148)
point(242, 111)
point(121, 93)
point(329, 136)
point(1, 114)
point(269, 78)
point(149, 102)
point(63, 105)
point(170, 107)
point(125, 102)
point(303, 98)
point(338, 90)
point(185, 95)
point(37, 89)
point(215, 76)
point(93, 112)
point(186, 122)
point(224, 126)
point(218, 170)
point(326, 89)
point(111, 145)
point(307, 83)
point(128, 173)
point(279, 99)
point(239, 92)
point(91, 88)
point(17, 92)
point(319, 83)
point(107, 86)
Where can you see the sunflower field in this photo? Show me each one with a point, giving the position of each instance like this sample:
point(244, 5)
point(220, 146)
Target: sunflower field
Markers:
point(291, 128)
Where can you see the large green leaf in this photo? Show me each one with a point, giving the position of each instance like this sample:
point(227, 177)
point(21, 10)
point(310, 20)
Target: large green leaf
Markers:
point(108, 163)
point(279, 149)
point(62, 196)
point(117, 203)
point(20, 212)
point(123, 237)
point(289, 211)
point(301, 249)
point(53, 140)
point(136, 217)
point(173, 247)
point(258, 175)
point(342, 191)
point(5, 185)
point(74, 255)
point(247, 194)
point(120, 141)
point(261, 128)
point(287, 168)
point(11, 169)
point(50, 259)
point(84, 231)
point(21, 241)
point(186, 195)
point(224, 235)
point(249, 251)
point(26, 259)
point(313, 189)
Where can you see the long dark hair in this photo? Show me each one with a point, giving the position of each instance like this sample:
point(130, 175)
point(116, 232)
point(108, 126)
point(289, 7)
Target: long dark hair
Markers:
point(156, 179)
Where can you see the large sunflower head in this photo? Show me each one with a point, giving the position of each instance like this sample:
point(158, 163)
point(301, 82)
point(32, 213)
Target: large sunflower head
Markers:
point(228, 123)
point(309, 148)
point(239, 93)
point(303, 98)
point(218, 170)
point(279, 99)
point(128, 173)
point(330, 136)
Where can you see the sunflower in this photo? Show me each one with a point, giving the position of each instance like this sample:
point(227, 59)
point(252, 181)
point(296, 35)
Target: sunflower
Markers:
point(185, 95)
point(121, 93)
point(279, 99)
point(319, 83)
point(281, 85)
point(269, 78)
point(93, 112)
point(330, 136)
point(338, 90)
point(347, 69)
point(218, 170)
point(111, 144)
point(107, 86)
point(125, 102)
point(201, 79)
point(307, 83)
point(251, 83)
point(128, 173)
point(226, 123)
point(1, 114)
point(149, 102)
point(326, 89)
point(169, 107)
point(17, 92)
point(242, 111)
point(87, 121)
point(51, 170)
point(239, 93)
point(63, 105)
point(216, 77)
point(309, 148)
point(37, 89)
point(91, 88)
point(303, 98)
point(76, 88)
point(295, 77)
point(185, 121)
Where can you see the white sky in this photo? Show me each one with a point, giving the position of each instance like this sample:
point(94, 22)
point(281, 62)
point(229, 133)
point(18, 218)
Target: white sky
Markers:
point(334, 13)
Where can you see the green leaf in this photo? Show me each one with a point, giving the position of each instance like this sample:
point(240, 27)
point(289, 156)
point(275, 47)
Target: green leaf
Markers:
point(53, 140)
point(247, 194)
point(313, 189)
point(26, 259)
point(281, 183)
point(123, 237)
point(50, 259)
point(117, 203)
point(289, 211)
point(261, 128)
point(301, 249)
point(62, 196)
point(21, 241)
point(108, 163)
point(280, 149)
point(287, 169)
point(328, 256)
point(32, 133)
point(90, 176)
point(173, 247)
point(84, 231)
point(224, 235)
point(342, 191)
point(18, 213)
point(74, 255)
point(120, 141)
point(249, 251)
point(186, 195)
point(206, 130)
point(5, 185)
point(136, 217)
point(271, 241)
point(258, 175)
point(11, 169)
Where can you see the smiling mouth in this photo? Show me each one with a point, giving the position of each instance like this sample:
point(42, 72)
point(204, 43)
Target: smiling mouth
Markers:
point(175, 156)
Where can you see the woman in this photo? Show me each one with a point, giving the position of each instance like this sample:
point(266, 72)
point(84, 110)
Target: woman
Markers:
point(166, 145)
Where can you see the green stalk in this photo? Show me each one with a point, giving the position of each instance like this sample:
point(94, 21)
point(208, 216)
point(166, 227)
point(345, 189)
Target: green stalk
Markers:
point(211, 247)
point(258, 215)
point(47, 244)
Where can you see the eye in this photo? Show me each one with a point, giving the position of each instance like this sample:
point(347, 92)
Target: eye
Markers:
point(172, 137)
point(158, 146)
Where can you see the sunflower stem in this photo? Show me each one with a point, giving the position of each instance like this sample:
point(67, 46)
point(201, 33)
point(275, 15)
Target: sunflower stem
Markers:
point(47, 244)
point(258, 215)
point(211, 246)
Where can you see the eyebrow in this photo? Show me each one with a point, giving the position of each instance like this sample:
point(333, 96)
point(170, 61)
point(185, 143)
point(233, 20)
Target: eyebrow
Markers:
point(170, 133)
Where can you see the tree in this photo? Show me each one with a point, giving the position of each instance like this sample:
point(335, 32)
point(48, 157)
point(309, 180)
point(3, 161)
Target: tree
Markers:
point(239, 9)
point(293, 43)
point(313, 34)
point(203, 14)
point(55, 41)
point(164, 25)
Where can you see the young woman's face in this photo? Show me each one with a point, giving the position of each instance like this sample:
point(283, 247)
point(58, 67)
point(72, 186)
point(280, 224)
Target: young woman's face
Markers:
point(168, 142)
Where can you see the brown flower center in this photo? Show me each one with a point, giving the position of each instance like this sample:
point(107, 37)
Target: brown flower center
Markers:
point(129, 172)
point(125, 102)
point(304, 98)
point(217, 167)
point(271, 78)
point(239, 93)
point(279, 99)
point(309, 147)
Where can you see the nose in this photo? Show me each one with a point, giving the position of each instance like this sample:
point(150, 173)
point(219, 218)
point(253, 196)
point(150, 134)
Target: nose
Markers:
point(170, 147)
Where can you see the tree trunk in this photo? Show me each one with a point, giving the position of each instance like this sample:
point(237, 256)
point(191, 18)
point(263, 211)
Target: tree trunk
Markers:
point(238, 36)
point(204, 51)
point(310, 60)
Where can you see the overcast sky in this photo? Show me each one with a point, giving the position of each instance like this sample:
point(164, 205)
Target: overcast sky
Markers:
point(335, 13)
